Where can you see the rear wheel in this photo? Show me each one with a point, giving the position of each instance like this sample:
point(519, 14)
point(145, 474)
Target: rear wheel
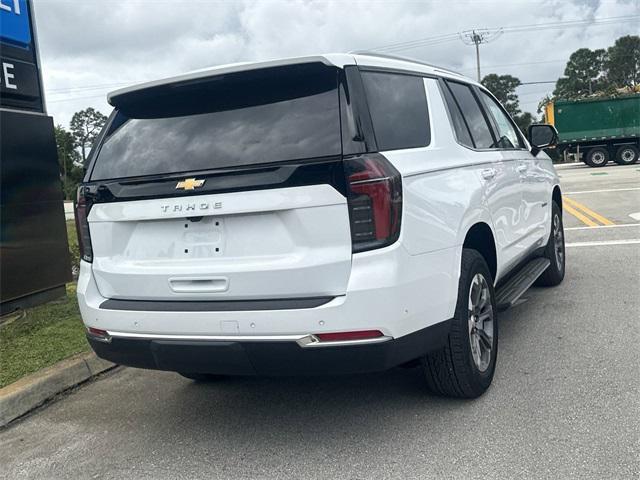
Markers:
point(626, 155)
point(202, 377)
point(465, 366)
point(554, 251)
point(597, 157)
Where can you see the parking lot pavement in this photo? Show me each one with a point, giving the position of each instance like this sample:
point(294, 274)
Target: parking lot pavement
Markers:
point(564, 403)
point(611, 192)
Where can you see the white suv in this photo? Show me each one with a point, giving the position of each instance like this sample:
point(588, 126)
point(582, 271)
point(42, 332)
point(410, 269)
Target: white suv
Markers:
point(325, 214)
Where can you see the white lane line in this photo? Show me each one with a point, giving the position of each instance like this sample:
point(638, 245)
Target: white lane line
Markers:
point(612, 242)
point(603, 191)
point(635, 216)
point(622, 225)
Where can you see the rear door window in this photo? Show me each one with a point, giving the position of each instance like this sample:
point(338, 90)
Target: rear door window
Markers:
point(507, 135)
point(235, 120)
point(398, 107)
point(459, 125)
point(475, 119)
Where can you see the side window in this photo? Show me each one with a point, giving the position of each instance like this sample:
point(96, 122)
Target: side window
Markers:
point(477, 123)
point(508, 137)
point(398, 107)
point(459, 125)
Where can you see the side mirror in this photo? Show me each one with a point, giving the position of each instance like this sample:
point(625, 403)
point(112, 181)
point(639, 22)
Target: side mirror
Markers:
point(541, 135)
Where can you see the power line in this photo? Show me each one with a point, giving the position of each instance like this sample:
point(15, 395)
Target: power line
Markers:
point(428, 41)
point(71, 99)
point(515, 64)
point(538, 83)
point(85, 87)
point(435, 38)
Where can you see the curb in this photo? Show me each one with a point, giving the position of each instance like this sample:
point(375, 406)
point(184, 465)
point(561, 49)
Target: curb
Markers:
point(33, 390)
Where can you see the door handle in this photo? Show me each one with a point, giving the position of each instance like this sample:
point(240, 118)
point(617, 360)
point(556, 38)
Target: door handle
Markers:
point(521, 168)
point(488, 173)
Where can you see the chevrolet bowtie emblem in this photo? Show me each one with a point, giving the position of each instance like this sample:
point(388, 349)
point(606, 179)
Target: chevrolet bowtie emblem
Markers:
point(190, 184)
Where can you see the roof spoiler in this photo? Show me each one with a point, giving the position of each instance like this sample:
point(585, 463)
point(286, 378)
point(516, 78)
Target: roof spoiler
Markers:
point(128, 95)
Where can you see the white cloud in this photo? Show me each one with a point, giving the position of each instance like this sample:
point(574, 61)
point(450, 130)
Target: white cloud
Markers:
point(91, 47)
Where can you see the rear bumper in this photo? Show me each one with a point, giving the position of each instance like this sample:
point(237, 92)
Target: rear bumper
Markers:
point(230, 357)
point(406, 298)
point(388, 290)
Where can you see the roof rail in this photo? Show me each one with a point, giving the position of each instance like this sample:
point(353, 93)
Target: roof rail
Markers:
point(372, 53)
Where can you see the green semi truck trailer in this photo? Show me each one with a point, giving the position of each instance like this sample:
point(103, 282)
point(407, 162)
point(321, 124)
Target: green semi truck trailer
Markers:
point(597, 130)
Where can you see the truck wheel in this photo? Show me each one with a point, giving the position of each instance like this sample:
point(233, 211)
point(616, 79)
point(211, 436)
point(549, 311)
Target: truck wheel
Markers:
point(464, 367)
point(626, 155)
point(597, 157)
point(554, 251)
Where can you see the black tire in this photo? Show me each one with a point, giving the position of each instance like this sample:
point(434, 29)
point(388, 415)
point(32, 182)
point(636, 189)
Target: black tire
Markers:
point(554, 251)
point(202, 377)
point(627, 155)
point(597, 157)
point(452, 371)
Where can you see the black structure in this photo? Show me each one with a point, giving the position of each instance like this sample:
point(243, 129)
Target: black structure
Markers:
point(34, 252)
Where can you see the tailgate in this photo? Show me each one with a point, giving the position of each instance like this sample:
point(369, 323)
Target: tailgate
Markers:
point(274, 243)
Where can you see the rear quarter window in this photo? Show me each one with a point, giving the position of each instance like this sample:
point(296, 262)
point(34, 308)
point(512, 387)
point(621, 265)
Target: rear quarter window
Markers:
point(398, 107)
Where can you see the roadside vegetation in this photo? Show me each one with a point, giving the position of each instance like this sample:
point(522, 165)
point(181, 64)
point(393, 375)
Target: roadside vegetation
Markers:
point(43, 335)
point(74, 146)
point(610, 72)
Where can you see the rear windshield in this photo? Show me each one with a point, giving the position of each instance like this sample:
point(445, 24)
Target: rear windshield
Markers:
point(247, 118)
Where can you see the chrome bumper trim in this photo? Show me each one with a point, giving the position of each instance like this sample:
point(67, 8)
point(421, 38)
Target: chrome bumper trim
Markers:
point(311, 341)
point(305, 341)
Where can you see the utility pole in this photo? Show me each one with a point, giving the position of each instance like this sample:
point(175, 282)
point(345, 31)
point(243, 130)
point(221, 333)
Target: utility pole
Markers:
point(476, 37)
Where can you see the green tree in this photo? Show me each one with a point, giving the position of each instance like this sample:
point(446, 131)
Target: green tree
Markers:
point(623, 62)
point(504, 89)
point(85, 127)
point(524, 120)
point(583, 74)
point(70, 173)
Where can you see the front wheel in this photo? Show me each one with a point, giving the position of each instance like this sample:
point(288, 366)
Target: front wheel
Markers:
point(554, 251)
point(465, 366)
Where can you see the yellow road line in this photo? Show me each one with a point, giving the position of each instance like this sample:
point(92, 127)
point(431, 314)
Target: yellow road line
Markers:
point(588, 211)
point(578, 215)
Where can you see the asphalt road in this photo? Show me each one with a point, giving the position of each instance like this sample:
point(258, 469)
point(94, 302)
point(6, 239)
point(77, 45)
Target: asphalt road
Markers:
point(565, 402)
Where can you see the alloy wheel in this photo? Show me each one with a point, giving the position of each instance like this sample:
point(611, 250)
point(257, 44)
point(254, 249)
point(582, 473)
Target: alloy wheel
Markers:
point(558, 240)
point(481, 319)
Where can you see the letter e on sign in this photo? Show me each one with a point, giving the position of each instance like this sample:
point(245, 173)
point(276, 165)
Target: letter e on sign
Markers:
point(7, 76)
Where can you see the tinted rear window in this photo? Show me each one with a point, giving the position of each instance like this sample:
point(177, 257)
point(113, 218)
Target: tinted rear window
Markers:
point(250, 118)
point(473, 115)
point(459, 124)
point(398, 107)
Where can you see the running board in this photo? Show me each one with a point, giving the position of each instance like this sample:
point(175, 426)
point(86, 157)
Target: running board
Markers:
point(509, 293)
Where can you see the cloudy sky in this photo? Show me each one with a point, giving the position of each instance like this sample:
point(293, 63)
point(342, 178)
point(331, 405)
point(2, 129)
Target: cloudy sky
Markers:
point(90, 47)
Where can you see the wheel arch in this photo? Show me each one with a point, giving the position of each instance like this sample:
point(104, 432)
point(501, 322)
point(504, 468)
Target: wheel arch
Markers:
point(556, 196)
point(480, 238)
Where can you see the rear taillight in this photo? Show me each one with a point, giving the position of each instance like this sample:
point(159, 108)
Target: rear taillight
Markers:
point(375, 201)
point(82, 208)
